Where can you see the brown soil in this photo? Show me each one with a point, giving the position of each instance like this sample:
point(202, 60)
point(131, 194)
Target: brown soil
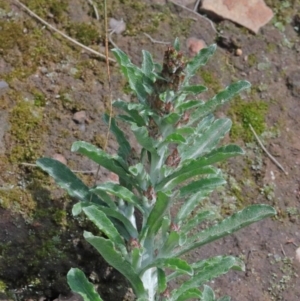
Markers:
point(50, 80)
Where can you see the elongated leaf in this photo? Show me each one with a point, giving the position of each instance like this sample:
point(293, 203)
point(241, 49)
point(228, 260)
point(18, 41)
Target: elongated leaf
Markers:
point(171, 243)
point(141, 134)
point(196, 220)
point(121, 192)
point(190, 294)
point(67, 180)
point(190, 204)
point(171, 263)
point(111, 213)
point(220, 267)
point(134, 75)
point(102, 222)
point(155, 218)
point(175, 138)
point(133, 112)
point(203, 184)
point(176, 44)
point(193, 89)
point(191, 104)
point(124, 146)
point(219, 99)
point(112, 163)
point(207, 141)
point(147, 64)
point(161, 281)
point(171, 184)
point(199, 60)
point(208, 294)
point(229, 225)
point(114, 258)
point(80, 285)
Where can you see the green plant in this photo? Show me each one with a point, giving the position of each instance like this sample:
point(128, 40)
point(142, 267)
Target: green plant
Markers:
point(179, 140)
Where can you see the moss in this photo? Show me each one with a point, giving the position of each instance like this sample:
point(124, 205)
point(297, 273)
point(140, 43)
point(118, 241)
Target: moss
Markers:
point(84, 33)
point(18, 200)
point(99, 140)
point(3, 286)
point(210, 80)
point(54, 9)
point(244, 113)
point(26, 130)
point(252, 60)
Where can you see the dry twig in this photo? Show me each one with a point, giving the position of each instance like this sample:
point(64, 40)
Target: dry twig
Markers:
point(194, 12)
point(156, 41)
point(95, 9)
point(61, 33)
point(266, 151)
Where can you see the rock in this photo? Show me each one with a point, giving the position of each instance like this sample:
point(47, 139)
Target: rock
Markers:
point(60, 158)
point(3, 87)
point(293, 83)
point(298, 254)
point(194, 45)
point(238, 52)
point(79, 117)
point(117, 26)
point(252, 14)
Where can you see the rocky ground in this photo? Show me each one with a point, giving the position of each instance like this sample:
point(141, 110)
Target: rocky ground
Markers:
point(57, 94)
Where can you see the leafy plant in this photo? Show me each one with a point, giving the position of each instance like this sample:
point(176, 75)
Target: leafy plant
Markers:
point(178, 138)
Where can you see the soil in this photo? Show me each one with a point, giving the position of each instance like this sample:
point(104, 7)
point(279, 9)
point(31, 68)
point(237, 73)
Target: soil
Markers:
point(50, 80)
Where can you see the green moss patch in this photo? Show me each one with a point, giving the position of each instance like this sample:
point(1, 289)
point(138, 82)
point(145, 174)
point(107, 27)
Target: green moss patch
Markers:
point(244, 113)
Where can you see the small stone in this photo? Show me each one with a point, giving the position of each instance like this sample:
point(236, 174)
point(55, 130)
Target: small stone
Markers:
point(298, 255)
point(3, 87)
point(194, 45)
point(60, 158)
point(293, 83)
point(252, 14)
point(79, 117)
point(238, 52)
point(117, 26)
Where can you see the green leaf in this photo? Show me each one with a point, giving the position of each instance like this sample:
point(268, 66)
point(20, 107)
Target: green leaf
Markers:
point(67, 180)
point(190, 294)
point(137, 80)
point(124, 146)
point(196, 220)
point(171, 263)
point(170, 182)
point(155, 218)
point(193, 89)
point(141, 134)
point(176, 44)
point(113, 214)
point(161, 281)
point(120, 192)
point(175, 138)
point(207, 141)
point(132, 111)
point(147, 64)
point(219, 267)
point(80, 285)
point(114, 258)
point(171, 243)
point(112, 163)
point(102, 222)
point(219, 99)
point(229, 225)
point(190, 204)
point(208, 294)
point(203, 184)
point(189, 105)
point(199, 60)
